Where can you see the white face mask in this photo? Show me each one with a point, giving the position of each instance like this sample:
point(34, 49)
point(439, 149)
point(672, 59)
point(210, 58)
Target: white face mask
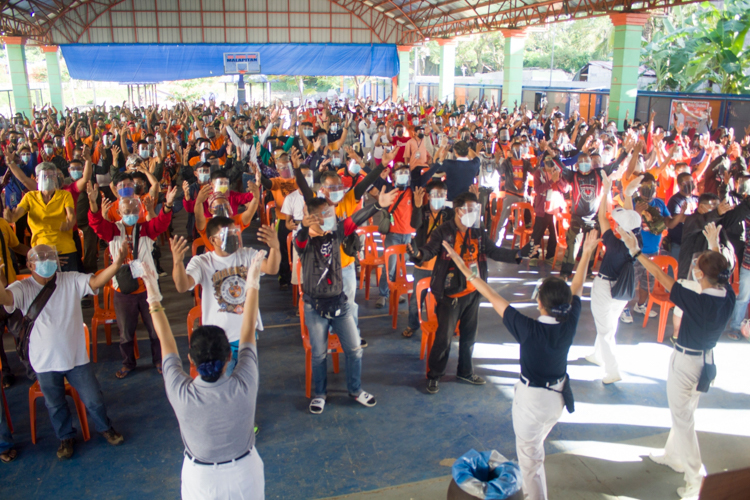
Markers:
point(469, 218)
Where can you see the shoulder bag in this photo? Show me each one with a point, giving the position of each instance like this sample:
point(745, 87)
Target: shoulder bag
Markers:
point(27, 323)
point(125, 280)
point(384, 227)
point(708, 374)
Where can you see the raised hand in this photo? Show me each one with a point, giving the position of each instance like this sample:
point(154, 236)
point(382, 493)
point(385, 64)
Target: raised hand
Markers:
point(591, 242)
point(460, 264)
point(630, 240)
point(204, 194)
point(309, 219)
point(179, 248)
point(419, 197)
point(123, 253)
point(386, 199)
point(92, 189)
point(171, 194)
point(268, 236)
point(253, 271)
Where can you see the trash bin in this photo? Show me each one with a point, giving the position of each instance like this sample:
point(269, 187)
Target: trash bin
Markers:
point(485, 476)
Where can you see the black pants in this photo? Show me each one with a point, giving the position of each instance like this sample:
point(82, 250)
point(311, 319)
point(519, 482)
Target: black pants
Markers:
point(21, 225)
point(449, 312)
point(127, 309)
point(541, 224)
point(285, 272)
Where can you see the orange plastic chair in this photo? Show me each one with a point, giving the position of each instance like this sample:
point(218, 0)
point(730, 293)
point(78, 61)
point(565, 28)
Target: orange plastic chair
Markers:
point(270, 212)
point(563, 224)
point(498, 198)
point(520, 230)
point(736, 280)
point(5, 401)
point(193, 316)
point(35, 391)
point(104, 315)
point(660, 295)
point(429, 325)
point(197, 244)
point(80, 235)
point(295, 288)
point(197, 295)
point(401, 283)
point(372, 260)
point(334, 349)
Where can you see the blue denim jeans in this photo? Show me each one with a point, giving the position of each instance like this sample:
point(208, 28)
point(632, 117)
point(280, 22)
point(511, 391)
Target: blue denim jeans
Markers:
point(418, 274)
point(6, 438)
point(349, 276)
point(84, 381)
point(743, 298)
point(390, 240)
point(343, 325)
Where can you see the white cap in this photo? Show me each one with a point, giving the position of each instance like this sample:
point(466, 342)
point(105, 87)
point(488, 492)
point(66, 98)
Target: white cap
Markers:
point(626, 219)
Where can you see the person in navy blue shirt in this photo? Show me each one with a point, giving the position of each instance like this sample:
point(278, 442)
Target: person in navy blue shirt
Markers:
point(705, 315)
point(459, 173)
point(538, 400)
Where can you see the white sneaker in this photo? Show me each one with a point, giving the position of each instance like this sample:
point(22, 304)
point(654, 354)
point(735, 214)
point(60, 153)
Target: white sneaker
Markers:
point(625, 316)
point(641, 309)
point(664, 460)
point(611, 379)
point(689, 491)
point(591, 358)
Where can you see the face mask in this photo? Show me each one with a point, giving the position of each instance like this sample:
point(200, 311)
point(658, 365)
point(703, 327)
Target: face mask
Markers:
point(354, 168)
point(126, 192)
point(415, 121)
point(48, 150)
point(107, 141)
point(323, 141)
point(204, 178)
point(479, 136)
point(328, 223)
point(517, 152)
point(334, 128)
point(143, 153)
point(58, 143)
point(45, 268)
point(687, 188)
point(75, 174)
point(584, 167)
point(647, 193)
point(230, 241)
point(532, 126)
point(504, 137)
point(606, 158)
point(221, 188)
point(420, 135)
point(25, 158)
point(309, 179)
point(399, 132)
point(744, 188)
point(402, 179)
point(469, 218)
point(130, 219)
point(308, 132)
point(437, 203)
point(336, 196)
point(336, 160)
point(695, 276)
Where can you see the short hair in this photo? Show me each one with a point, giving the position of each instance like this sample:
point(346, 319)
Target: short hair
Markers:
point(461, 148)
point(209, 345)
point(328, 174)
point(681, 177)
point(554, 292)
point(435, 184)
point(217, 223)
point(121, 176)
point(219, 174)
point(714, 266)
point(647, 177)
point(463, 198)
point(706, 197)
point(45, 165)
point(315, 203)
point(140, 176)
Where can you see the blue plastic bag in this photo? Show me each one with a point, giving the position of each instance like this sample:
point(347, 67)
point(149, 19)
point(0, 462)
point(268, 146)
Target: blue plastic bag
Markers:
point(487, 475)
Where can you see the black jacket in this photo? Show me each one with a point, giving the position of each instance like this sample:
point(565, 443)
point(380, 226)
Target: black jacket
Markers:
point(420, 221)
point(447, 232)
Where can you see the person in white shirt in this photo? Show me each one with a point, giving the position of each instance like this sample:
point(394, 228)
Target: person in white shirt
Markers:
point(294, 208)
point(380, 142)
point(367, 129)
point(57, 342)
point(221, 274)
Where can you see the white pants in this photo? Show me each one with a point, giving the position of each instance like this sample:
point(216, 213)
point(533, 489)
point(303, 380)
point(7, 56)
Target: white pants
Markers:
point(606, 312)
point(682, 443)
point(536, 410)
point(295, 259)
point(240, 480)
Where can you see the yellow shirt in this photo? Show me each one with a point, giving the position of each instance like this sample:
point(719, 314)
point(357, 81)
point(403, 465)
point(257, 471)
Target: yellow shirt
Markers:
point(6, 232)
point(346, 207)
point(45, 220)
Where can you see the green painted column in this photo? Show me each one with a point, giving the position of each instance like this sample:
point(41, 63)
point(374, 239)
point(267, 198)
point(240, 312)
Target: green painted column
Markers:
point(446, 83)
point(626, 59)
point(54, 77)
point(14, 48)
point(404, 63)
point(513, 67)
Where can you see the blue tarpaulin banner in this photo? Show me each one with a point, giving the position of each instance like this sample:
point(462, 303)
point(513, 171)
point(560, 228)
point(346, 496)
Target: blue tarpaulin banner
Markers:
point(153, 63)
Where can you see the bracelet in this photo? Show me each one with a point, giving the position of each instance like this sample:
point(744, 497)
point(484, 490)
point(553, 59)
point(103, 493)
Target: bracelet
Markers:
point(472, 277)
point(156, 309)
point(639, 252)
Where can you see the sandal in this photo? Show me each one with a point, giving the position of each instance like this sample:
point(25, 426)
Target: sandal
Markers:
point(8, 456)
point(408, 332)
point(733, 336)
point(8, 380)
point(317, 405)
point(122, 373)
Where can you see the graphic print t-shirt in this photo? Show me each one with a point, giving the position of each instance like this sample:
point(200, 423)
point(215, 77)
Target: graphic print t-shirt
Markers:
point(222, 281)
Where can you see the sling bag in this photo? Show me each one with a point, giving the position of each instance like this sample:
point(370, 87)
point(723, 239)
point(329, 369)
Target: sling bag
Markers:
point(125, 280)
point(27, 323)
point(384, 227)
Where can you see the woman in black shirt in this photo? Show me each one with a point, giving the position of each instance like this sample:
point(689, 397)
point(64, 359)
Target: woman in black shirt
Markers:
point(538, 400)
point(705, 315)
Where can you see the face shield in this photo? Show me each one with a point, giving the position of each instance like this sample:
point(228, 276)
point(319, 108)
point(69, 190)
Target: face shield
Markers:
point(126, 189)
point(44, 260)
point(437, 199)
point(130, 210)
point(284, 169)
point(329, 219)
point(401, 177)
point(335, 192)
point(220, 207)
point(220, 185)
point(47, 180)
point(470, 214)
point(229, 239)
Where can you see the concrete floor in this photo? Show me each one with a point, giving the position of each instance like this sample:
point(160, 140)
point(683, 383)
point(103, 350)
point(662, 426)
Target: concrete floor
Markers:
point(403, 447)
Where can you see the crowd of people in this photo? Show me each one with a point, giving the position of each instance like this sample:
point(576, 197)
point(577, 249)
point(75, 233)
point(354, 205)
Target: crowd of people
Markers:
point(449, 182)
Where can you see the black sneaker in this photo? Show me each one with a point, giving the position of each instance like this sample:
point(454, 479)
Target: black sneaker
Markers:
point(362, 343)
point(432, 386)
point(283, 287)
point(113, 437)
point(65, 451)
point(472, 379)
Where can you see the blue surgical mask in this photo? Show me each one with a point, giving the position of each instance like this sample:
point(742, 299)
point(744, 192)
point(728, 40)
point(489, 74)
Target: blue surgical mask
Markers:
point(145, 153)
point(328, 223)
point(204, 178)
point(584, 167)
point(354, 168)
point(76, 174)
point(45, 268)
point(130, 219)
point(336, 196)
point(127, 192)
point(336, 161)
point(437, 203)
point(402, 179)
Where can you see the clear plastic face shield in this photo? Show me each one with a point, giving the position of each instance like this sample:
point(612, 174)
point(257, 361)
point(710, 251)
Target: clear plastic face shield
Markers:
point(229, 239)
point(130, 210)
point(44, 260)
point(469, 214)
point(334, 192)
point(220, 207)
point(203, 174)
point(437, 198)
point(284, 167)
point(401, 178)
point(47, 180)
point(125, 189)
point(328, 216)
point(220, 185)
point(694, 266)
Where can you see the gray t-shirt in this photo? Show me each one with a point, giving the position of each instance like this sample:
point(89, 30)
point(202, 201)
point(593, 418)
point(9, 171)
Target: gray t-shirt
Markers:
point(216, 418)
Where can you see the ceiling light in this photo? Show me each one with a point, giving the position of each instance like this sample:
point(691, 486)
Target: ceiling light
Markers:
point(33, 13)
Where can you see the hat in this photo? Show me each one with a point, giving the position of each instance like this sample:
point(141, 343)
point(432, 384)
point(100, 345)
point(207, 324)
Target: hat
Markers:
point(626, 219)
point(133, 159)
